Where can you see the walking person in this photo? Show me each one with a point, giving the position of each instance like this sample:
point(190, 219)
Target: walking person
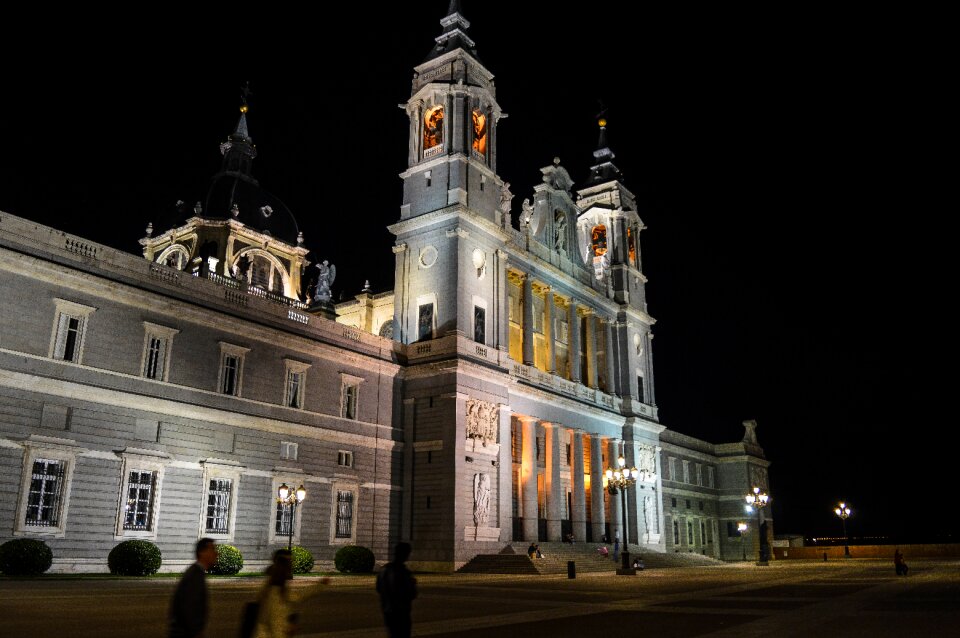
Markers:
point(278, 616)
point(188, 609)
point(616, 546)
point(397, 588)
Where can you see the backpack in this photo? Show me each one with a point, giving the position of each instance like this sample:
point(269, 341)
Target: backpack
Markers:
point(248, 619)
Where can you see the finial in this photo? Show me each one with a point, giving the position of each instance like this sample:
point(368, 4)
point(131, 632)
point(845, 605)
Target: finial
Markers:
point(235, 210)
point(198, 208)
point(366, 286)
point(602, 122)
point(245, 93)
point(149, 229)
point(556, 161)
point(300, 238)
point(266, 211)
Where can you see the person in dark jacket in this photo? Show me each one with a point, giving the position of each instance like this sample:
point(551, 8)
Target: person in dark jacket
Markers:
point(397, 588)
point(188, 609)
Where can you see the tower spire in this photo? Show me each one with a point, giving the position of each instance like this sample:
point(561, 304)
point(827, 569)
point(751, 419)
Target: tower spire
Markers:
point(603, 170)
point(454, 34)
point(238, 151)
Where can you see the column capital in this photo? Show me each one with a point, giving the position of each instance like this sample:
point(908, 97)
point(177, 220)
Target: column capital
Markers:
point(502, 254)
point(526, 419)
point(399, 248)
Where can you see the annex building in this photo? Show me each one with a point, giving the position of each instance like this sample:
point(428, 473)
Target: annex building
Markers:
point(168, 395)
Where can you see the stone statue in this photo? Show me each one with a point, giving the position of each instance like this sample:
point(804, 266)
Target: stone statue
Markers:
point(750, 432)
point(647, 512)
point(560, 232)
point(506, 203)
point(481, 498)
point(527, 215)
point(483, 420)
point(327, 274)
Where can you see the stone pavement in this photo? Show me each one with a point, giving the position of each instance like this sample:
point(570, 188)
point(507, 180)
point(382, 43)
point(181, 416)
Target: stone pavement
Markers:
point(789, 598)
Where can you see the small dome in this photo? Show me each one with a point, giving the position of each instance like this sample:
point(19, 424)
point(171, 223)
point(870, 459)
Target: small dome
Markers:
point(257, 208)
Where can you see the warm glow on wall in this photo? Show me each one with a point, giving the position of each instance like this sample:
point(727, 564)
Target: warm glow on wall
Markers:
point(631, 247)
point(479, 132)
point(598, 238)
point(433, 127)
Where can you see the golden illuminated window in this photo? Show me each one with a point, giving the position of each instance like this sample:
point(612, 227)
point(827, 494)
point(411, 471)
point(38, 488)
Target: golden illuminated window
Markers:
point(479, 132)
point(631, 247)
point(433, 128)
point(598, 239)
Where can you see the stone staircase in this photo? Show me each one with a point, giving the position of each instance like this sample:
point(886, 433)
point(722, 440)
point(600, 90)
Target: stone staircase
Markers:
point(513, 559)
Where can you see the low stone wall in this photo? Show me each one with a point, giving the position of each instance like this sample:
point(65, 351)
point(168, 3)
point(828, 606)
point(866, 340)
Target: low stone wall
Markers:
point(868, 551)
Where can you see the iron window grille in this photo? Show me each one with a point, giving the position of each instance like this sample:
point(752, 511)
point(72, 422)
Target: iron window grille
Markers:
point(218, 506)
point(344, 514)
point(43, 501)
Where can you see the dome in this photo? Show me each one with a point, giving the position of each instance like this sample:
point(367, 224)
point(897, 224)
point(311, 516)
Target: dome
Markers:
point(256, 207)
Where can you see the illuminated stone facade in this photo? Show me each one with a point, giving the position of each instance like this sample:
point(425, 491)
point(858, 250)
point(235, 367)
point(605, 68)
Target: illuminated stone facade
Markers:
point(479, 403)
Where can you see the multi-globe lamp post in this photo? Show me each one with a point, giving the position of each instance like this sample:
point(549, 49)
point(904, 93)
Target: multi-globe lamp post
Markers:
point(291, 498)
point(843, 511)
point(757, 500)
point(742, 528)
point(620, 479)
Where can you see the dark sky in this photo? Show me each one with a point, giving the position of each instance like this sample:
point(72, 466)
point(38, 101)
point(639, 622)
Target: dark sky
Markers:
point(782, 160)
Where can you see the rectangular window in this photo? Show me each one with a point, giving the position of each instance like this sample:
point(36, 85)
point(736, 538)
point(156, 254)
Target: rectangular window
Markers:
point(68, 339)
point(673, 469)
point(294, 395)
point(138, 511)
point(344, 514)
point(231, 374)
point(218, 506)
point(479, 324)
point(701, 506)
point(699, 474)
point(344, 458)
point(673, 502)
point(350, 392)
point(690, 540)
point(44, 498)
point(676, 533)
point(640, 388)
point(686, 471)
point(288, 450)
point(569, 455)
point(284, 519)
point(425, 321)
point(156, 348)
point(703, 533)
point(710, 477)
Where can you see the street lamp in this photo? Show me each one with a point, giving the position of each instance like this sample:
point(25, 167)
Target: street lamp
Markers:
point(742, 528)
point(291, 498)
point(843, 511)
point(621, 478)
point(758, 500)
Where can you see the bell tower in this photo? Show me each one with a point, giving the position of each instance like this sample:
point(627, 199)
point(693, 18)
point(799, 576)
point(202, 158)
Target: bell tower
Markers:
point(453, 115)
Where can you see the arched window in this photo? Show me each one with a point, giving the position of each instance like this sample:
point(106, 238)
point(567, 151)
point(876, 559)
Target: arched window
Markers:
point(479, 133)
point(175, 256)
point(631, 247)
point(433, 130)
point(598, 239)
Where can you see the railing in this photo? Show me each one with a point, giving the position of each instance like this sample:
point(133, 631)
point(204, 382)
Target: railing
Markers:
point(299, 317)
point(572, 389)
point(81, 248)
point(223, 281)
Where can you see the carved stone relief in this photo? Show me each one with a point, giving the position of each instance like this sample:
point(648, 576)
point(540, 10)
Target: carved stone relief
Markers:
point(483, 421)
point(481, 498)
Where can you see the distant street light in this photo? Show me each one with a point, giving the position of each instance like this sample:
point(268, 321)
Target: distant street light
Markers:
point(844, 513)
point(621, 478)
point(292, 498)
point(758, 500)
point(742, 528)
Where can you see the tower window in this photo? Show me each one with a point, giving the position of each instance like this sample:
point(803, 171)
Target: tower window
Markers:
point(429, 176)
point(598, 239)
point(479, 134)
point(631, 247)
point(433, 131)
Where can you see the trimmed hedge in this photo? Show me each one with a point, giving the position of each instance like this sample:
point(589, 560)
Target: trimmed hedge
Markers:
point(354, 559)
point(25, 557)
point(229, 561)
point(302, 560)
point(134, 558)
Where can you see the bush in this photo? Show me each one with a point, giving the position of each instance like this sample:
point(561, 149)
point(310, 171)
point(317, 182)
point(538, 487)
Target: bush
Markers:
point(25, 557)
point(302, 560)
point(134, 558)
point(229, 561)
point(353, 559)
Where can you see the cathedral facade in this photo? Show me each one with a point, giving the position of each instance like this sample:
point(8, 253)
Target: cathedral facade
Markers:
point(168, 396)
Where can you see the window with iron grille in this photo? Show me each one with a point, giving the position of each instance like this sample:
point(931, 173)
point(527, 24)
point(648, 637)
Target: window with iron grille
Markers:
point(218, 506)
point(284, 519)
point(156, 349)
point(676, 533)
point(350, 392)
point(289, 450)
point(139, 508)
point(43, 501)
point(344, 514)
point(690, 539)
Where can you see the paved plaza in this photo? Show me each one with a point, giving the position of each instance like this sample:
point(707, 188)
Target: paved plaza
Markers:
point(839, 598)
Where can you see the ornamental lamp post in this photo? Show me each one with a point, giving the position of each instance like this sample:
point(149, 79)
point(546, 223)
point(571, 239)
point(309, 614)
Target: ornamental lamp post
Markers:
point(758, 500)
point(742, 528)
point(292, 499)
point(620, 479)
point(843, 511)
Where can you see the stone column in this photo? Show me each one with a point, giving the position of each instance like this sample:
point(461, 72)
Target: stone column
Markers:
point(502, 317)
point(579, 514)
point(591, 350)
point(573, 339)
point(616, 513)
point(597, 510)
point(548, 330)
point(505, 491)
point(528, 320)
point(552, 485)
point(650, 393)
point(528, 478)
point(610, 355)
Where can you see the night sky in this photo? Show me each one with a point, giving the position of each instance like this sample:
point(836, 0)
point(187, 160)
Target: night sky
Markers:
point(781, 162)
